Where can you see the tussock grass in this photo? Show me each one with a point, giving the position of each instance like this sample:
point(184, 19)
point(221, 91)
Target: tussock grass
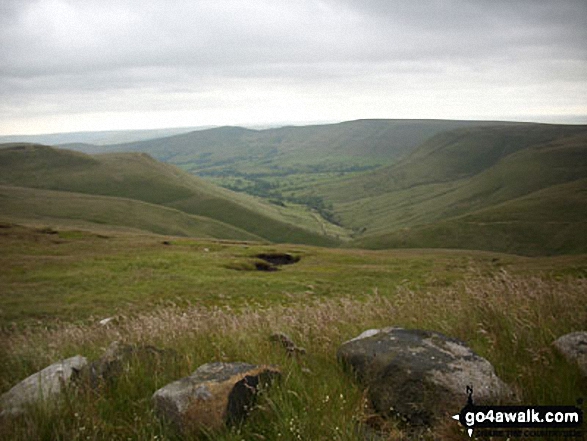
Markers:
point(509, 319)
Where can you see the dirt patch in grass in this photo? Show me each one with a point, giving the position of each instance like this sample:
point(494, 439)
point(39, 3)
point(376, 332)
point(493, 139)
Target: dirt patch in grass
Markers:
point(268, 262)
point(277, 259)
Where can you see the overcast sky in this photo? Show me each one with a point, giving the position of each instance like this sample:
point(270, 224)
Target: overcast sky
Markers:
point(122, 64)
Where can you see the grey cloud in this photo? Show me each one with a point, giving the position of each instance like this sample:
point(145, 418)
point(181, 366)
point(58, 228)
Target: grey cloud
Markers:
point(484, 25)
point(100, 48)
point(205, 35)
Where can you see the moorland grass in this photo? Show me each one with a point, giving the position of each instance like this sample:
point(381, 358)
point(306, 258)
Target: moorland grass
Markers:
point(186, 296)
point(60, 207)
point(53, 275)
point(511, 320)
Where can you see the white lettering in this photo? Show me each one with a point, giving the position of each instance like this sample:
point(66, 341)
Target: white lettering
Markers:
point(470, 418)
point(536, 417)
point(510, 417)
point(572, 417)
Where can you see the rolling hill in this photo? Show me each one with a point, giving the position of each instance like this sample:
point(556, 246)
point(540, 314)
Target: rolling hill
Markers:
point(548, 221)
point(456, 184)
point(283, 165)
point(140, 177)
point(63, 209)
point(474, 177)
point(370, 141)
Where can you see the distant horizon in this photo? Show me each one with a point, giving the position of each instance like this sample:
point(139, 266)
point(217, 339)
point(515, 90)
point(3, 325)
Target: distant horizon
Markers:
point(554, 119)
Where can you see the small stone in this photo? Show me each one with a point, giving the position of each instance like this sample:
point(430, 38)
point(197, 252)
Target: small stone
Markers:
point(105, 321)
point(287, 343)
point(573, 347)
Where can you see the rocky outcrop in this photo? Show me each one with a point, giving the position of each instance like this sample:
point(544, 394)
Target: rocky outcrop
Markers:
point(420, 376)
point(573, 347)
point(44, 385)
point(216, 394)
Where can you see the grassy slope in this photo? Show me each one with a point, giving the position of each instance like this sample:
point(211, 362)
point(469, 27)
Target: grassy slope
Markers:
point(138, 176)
point(74, 276)
point(451, 156)
point(463, 172)
point(459, 168)
point(514, 176)
point(551, 221)
point(58, 208)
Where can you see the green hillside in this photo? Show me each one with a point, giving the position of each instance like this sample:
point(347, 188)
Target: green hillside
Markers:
point(84, 265)
point(76, 210)
point(140, 177)
point(283, 165)
point(370, 183)
point(420, 191)
point(280, 164)
point(96, 138)
point(463, 172)
point(548, 221)
point(381, 140)
point(453, 155)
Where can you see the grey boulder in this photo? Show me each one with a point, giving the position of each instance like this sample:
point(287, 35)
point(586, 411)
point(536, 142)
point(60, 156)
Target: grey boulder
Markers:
point(46, 384)
point(420, 376)
point(215, 395)
point(573, 347)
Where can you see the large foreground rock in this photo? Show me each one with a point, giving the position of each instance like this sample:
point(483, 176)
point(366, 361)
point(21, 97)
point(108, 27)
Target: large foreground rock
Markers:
point(573, 347)
point(420, 376)
point(44, 385)
point(214, 395)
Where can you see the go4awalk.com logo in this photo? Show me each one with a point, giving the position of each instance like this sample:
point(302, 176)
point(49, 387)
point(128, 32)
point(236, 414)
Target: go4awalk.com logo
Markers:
point(523, 421)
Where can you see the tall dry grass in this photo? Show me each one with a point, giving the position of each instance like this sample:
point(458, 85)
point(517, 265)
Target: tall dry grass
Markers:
point(511, 320)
